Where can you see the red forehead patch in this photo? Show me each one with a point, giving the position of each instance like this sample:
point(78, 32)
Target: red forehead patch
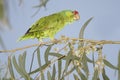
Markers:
point(75, 12)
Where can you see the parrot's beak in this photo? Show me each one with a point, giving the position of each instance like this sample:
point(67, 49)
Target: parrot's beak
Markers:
point(77, 17)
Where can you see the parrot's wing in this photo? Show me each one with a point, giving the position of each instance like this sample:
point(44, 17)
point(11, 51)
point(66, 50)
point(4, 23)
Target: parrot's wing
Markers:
point(45, 23)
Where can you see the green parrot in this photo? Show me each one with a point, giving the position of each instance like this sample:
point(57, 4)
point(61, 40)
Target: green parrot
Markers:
point(48, 26)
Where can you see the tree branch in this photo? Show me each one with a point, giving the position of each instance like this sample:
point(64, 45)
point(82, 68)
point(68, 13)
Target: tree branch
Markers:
point(63, 40)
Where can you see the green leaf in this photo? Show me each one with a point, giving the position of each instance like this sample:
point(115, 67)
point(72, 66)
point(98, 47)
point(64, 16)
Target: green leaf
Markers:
point(82, 30)
point(89, 60)
point(76, 77)
point(11, 68)
point(21, 65)
point(42, 68)
point(24, 58)
point(49, 76)
point(85, 65)
point(20, 69)
point(33, 54)
point(43, 3)
point(82, 76)
point(105, 77)
point(42, 76)
point(70, 71)
point(59, 69)
point(109, 65)
point(63, 57)
point(2, 9)
point(2, 43)
point(98, 78)
point(39, 62)
point(96, 75)
point(54, 72)
point(68, 60)
point(17, 67)
point(58, 55)
point(81, 34)
point(93, 59)
point(119, 66)
point(47, 53)
point(38, 57)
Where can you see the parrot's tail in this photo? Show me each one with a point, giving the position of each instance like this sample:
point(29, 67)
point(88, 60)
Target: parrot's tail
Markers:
point(25, 37)
point(21, 38)
point(32, 35)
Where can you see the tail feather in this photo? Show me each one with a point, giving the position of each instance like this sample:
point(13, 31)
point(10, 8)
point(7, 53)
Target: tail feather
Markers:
point(22, 38)
point(25, 37)
point(32, 35)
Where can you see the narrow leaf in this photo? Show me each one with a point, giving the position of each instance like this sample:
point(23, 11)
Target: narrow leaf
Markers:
point(82, 76)
point(93, 59)
point(82, 30)
point(21, 64)
point(89, 60)
point(39, 62)
point(42, 4)
point(22, 67)
point(85, 65)
point(42, 68)
point(96, 75)
point(49, 76)
point(17, 67)
point(2, 9)
point(54, 72)
point(76, 77)
point(11, 68)
point(42, 76)
point(47, 52)
point(2, 43)
point(70, 71)
point(119, 65)
point(58, 55)
point(38, 57)
point(109, 64)
point(24, 58)
point(68, 61)
point(59, 69)
point(81, 34)
point(105, 77)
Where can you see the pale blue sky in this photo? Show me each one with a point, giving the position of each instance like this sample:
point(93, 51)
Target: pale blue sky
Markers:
point(104, 26)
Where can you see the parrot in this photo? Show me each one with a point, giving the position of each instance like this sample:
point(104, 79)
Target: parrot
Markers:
point(49, 26)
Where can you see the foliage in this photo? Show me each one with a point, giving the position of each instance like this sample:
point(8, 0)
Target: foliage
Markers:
point(70, 60)
point(60, 62)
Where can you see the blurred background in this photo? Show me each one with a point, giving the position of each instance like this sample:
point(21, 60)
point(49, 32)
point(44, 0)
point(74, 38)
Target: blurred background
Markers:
point(16, 16)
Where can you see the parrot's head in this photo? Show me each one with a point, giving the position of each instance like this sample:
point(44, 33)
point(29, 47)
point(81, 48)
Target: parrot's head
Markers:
point(76, 15)
point(72, 15)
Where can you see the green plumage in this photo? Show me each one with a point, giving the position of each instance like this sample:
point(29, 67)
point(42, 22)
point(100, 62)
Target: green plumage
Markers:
point(48, 26)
